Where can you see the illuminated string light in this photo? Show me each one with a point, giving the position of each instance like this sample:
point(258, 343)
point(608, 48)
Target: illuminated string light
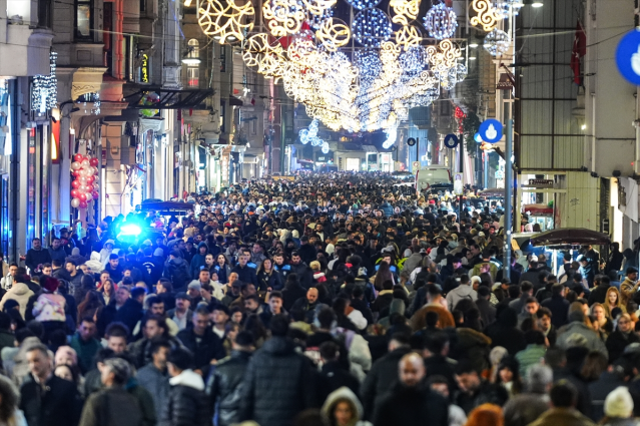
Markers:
point(441, 21)
point(363, 4)
point(371, 27)
point(225, 20)
point(497, 42)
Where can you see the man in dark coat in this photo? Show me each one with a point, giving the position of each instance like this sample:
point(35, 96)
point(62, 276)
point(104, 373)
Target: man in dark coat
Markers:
point(187, 404)
point(176, 269)
point(599, 293)
point(383, 374)
point(558, 305)
point(410, 402)
point(46, 399)
point(279, 383)
point(202, 341)
point(132, 311)
point(226, 383)
point(36, 255)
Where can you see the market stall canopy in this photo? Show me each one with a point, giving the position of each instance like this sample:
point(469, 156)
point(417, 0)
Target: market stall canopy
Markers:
point(570, 237)
point(492, 192)
point(166, 207)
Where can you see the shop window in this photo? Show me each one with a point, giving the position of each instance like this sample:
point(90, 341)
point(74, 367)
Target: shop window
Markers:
point(194, 49)
point(193, 75)
point(83, 19)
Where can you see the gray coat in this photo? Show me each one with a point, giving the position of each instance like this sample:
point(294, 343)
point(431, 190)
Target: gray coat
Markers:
point(593, 341)
point(157, 383)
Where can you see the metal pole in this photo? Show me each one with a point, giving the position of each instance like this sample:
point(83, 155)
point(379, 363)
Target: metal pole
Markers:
point(418, 153)
point(486, 169)
point(508, 179)
point(461, 143)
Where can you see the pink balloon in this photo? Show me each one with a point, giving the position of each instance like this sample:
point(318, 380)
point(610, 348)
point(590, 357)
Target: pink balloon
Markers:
point(95, 195)
point(82, 196)
point(83, 204)
point(75, 184)
point(93, 162)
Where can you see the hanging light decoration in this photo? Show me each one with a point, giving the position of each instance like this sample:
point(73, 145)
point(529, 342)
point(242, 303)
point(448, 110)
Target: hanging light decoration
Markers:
point(497, 42)
point(441, 21)
point(225, 20)
point(487, 15)
point(361, 88)
point(371, 27)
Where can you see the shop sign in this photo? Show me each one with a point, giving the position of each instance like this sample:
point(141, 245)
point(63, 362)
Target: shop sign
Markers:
point(144, 69)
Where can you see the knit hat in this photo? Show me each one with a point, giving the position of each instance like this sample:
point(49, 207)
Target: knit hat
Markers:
point(158, 252)
point(194, 285)
point(618, 403)
point(49, 283)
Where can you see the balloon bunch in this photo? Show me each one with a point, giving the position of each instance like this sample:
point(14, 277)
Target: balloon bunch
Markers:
point(85, 184)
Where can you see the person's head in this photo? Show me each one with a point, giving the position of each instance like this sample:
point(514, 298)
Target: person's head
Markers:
point(117, 333)
point(154, 326)
point(619, 404)
point(70, 266)
point(252, 303)
point(612, 296)
point(47, 269)
point(411, 370)
point(66, 372)
point(531, 306)
point(36, 243)
point(563, 394)
point(539, 379)
point(193, 290)
point(275, 302)
point(243, 341)
point(632, 273)
point(486, 414)
point(279, 326)
point(439, 384)
point(467, 377)
point(436, 343)
point(204, 275)
point(87, 329)
point(624, 323)
point(220, 315)
point(66, 355)
point(200, 320)
point(312, 295)
point(114, 261)
point(13, 270)
point(39, 361)
point(115, 372)
point(598, 312)
point(179, 359)
point(159, 350)
point(156, 306)
point(295, 258)
point(182, 302)
point(244, 258)
point(122, 294)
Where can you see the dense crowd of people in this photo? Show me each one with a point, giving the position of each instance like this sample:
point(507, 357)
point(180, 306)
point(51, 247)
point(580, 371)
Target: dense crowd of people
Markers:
point(333, 300)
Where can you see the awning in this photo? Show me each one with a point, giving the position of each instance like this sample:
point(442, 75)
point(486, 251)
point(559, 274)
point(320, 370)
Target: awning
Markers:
point(170, 98)
point(233, 101)
point(570, 237)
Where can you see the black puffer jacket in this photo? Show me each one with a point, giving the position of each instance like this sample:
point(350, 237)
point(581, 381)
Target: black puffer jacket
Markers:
point(279, 384)
point(225, 386)
point(187, 404)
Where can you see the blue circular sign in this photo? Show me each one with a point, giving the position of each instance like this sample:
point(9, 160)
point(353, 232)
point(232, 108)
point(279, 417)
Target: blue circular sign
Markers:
point(628, 57)
point(451, 141)
point(490, 130)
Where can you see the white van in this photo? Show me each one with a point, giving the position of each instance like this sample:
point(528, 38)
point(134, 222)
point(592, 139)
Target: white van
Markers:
point(433, 176)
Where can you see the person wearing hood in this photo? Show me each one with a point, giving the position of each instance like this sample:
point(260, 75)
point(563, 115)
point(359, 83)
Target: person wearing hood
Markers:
point(20, 292)
point(505, 332)
point(106, 251)
point(187, 402)
point(463, 291)
point(342, 408)
point(198, 259)
point(176, 270)
point(274, 396)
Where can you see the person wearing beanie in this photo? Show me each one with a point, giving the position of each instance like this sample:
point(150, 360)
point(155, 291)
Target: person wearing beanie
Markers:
point(618, 408)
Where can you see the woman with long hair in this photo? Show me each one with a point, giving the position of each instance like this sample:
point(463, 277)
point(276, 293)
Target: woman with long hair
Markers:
point(611, 301)
point(108, 291)
point(222, 268)
point(342, 408)
point(486, 415)
point(621, 338)
point(10, 415)
point(383, 274)
point(89, 306)
point(509, 375)
point(601, 323)
point(268, 278)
